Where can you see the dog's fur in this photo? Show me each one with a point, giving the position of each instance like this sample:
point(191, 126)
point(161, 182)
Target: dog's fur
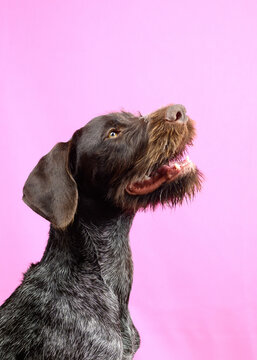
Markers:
point(73, 304)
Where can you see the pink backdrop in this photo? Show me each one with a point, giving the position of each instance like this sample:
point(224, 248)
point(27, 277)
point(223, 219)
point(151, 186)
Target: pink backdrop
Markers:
point(64, 62)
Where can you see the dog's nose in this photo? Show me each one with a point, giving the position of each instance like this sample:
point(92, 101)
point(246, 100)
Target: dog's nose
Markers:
point(176, 113)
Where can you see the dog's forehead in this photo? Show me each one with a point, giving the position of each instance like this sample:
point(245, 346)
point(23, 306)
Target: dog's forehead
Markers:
point(100, 124)
point(112, 119)
point(95, 130)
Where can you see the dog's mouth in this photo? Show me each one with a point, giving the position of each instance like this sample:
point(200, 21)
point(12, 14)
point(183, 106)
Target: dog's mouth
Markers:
point(164, 174)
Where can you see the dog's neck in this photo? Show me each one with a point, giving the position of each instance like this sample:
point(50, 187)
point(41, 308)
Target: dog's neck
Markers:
point(96, 245)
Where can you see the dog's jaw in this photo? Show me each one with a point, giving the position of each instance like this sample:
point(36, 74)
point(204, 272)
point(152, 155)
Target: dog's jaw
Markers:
point(164, 174)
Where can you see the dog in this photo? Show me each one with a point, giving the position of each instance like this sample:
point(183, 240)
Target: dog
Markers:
point(73, 304)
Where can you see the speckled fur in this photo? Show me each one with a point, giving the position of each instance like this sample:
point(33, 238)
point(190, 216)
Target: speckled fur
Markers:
point(73, 304)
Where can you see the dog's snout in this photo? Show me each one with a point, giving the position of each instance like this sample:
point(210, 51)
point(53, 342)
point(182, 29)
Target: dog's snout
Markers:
point(176, 113)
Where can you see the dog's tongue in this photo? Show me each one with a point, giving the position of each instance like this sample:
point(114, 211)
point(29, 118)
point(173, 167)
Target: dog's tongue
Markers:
point(165, 173)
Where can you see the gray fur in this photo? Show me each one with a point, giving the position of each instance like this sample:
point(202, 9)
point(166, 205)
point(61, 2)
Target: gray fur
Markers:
point(80, 306)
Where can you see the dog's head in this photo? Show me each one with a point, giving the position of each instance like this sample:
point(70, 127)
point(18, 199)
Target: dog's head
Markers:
point(128, 162)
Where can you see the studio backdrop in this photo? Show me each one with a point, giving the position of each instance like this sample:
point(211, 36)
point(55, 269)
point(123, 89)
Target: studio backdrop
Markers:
point(62, 63)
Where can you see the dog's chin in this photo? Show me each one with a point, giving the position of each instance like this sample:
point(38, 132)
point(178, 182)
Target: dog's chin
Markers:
point(183, 188)
point(170, 185)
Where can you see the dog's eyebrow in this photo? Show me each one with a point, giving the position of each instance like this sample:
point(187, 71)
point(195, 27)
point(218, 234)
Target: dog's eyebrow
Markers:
point(116, 123)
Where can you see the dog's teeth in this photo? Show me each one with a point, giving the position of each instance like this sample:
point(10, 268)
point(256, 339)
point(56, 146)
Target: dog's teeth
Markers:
point(177, 166)
point(147, 177)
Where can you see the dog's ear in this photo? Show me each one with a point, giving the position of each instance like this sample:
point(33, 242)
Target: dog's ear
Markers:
point(50, 189)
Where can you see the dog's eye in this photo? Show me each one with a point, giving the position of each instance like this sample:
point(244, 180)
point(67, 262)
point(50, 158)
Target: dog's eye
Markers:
point(112, 134)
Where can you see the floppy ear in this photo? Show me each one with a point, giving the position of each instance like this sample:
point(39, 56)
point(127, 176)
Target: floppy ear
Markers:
point(50, 189)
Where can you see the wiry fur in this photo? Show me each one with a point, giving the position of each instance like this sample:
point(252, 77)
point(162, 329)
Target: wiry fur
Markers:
point(73, 304)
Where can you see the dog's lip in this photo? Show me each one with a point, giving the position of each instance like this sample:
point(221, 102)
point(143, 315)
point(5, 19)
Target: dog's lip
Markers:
point(165, 173)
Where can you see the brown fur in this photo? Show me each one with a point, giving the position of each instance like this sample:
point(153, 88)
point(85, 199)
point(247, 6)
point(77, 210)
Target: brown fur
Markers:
point(143, 144)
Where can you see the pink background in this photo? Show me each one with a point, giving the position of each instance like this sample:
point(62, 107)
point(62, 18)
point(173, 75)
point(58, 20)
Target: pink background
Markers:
point(64, 62)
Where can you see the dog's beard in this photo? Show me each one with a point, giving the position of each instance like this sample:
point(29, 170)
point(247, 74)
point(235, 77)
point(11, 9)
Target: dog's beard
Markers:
point(168, 183)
